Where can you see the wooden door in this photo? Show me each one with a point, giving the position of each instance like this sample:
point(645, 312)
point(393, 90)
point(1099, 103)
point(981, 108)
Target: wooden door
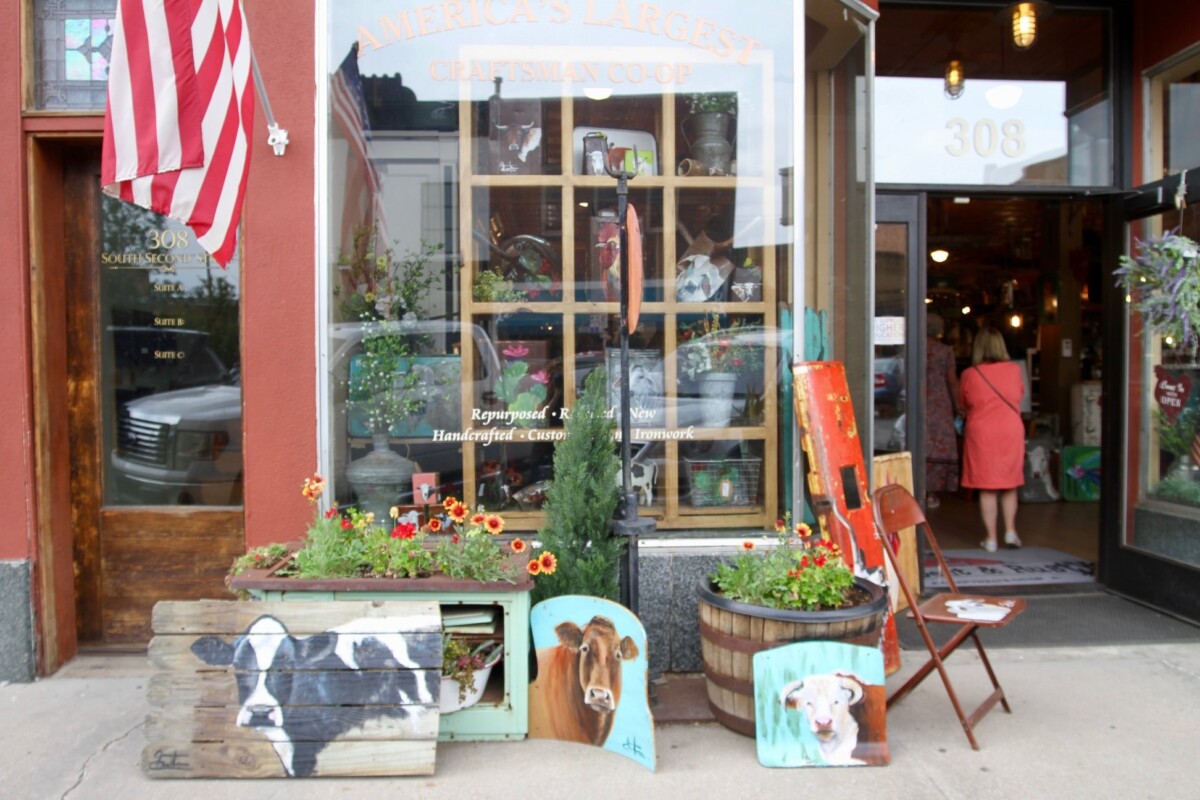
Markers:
point(131, 551)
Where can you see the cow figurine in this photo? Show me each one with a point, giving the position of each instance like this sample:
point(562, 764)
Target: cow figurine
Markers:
point(642, 477)
point(580, 681)
point(287, 684)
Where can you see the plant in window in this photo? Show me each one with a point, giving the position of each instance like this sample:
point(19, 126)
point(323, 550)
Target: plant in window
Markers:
point(522, 392)
point(492, 287)
point(709, 102)
point(379, 285)
point(706, 346)
point(1163, 282)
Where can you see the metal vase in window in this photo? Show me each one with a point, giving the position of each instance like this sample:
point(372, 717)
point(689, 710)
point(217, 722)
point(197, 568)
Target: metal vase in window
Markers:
point(646, 396)
point(604, 284)
point(716, 390)
point(380, 479)
point(708, 141)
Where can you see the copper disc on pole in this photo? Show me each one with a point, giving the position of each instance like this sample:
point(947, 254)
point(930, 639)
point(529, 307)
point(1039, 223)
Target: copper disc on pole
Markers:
point(633, 241)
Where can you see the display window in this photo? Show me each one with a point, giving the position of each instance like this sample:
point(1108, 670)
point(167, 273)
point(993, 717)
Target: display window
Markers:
point(1161, 268)
point(472, 264)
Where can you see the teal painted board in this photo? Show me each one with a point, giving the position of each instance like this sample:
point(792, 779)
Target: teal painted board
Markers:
point(505, 717)
point(816, 348)
point(820, 704)
point(1081, 473)
point(591, 685)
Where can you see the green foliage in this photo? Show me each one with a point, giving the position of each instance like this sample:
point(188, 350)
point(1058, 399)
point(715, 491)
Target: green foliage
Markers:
point(1179, 489)
point(701, 102)
point(802, 572)
point(706, 346)
point(1176, 437)
point(492, 287)
point(459, 661)
point(380, 286)
point(1163, 282)
point(580, 502)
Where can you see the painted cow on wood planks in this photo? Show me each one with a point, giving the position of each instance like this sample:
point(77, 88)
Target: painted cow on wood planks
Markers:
point(582, 679)
point(287, 685)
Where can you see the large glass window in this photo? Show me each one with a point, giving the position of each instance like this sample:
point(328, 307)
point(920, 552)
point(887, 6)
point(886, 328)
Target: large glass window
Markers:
point(72, 41)
point(958, 104)
point(473, 262)
point(170, 376)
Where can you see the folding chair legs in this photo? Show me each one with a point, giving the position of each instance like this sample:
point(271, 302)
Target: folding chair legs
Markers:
point(936, 662)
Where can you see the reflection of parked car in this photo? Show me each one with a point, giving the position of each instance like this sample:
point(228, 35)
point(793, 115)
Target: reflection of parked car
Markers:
point(178, 436)
point(889, 382)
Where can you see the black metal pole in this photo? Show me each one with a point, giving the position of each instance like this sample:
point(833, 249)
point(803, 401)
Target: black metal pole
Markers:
point(626, 522)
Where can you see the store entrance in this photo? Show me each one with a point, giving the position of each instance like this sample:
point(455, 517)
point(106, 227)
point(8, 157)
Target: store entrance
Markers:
point(1031, 268)
point(139, 469)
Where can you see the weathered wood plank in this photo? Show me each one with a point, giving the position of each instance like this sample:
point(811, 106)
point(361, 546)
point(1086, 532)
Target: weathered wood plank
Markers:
point(259, 760)
point(359, 724)
point(231, 616)
point(424, 651)
point(217, 688)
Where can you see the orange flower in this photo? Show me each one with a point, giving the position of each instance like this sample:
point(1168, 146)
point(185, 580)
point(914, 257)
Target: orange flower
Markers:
point(313, 488)
point(780, 527)
point(478, 518)
point(534, 567)
point(494, 524)
point(548, 563)
point(748, 545)
point(434, 525)
point(517, 545)
point(458, 512)
point(803, 530)
point(449, 503)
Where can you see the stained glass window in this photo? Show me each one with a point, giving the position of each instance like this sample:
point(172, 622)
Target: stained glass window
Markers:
point(72, 44)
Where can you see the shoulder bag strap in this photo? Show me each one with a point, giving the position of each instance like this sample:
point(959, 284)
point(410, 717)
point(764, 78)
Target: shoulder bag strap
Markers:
point(994, 389)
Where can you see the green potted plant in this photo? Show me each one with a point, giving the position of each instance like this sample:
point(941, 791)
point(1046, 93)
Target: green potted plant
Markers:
point(796, 588)
point(465, 671)
point(1163, 282)
point(713, 357)
point(581, 499)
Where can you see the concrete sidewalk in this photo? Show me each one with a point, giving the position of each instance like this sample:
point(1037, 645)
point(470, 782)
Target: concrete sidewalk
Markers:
point(1094, 722)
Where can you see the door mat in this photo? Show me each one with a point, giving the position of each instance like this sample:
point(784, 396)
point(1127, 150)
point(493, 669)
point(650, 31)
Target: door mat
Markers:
point(1091, 619)
point(1021, 567)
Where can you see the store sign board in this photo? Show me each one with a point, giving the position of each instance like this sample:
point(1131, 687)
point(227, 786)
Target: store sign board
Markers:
point(889, 330)
point(1171, 391)
point(995, 133)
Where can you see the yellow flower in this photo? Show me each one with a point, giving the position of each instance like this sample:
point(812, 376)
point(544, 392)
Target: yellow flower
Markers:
point(517, 545)
point(434, 525)
point(394, 512)
point(457, 512)
point(449, 503)
point(803, 530)
point(548, 563)
point(493, 524)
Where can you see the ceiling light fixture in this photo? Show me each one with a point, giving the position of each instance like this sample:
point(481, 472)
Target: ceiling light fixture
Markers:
point(955, 79)
point(1024, 18)
point(939, 256)
point(598, 92)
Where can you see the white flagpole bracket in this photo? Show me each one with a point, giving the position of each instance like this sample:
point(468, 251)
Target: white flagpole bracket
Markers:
point(277, 137)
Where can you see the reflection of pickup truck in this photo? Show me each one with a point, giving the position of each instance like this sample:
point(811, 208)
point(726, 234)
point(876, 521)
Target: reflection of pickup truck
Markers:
point(178, 438)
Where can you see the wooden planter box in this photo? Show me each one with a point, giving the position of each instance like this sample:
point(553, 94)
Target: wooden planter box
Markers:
point(503, 711)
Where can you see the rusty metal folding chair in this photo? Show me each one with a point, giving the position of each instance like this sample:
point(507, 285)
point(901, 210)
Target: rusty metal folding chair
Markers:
point(895, 510)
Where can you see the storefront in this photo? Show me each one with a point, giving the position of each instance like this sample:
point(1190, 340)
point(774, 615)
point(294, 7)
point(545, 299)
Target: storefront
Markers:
point(460, 251)
point(441, 223)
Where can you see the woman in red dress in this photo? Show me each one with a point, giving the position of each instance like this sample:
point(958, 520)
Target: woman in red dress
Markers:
point(994, 445)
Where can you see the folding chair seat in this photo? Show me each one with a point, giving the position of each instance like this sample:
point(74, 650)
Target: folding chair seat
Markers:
point(895, 510)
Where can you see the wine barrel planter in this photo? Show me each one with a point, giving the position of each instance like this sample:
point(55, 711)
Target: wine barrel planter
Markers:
point(732, 632)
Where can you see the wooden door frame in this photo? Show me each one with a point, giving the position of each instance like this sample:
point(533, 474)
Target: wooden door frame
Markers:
point(53, 551)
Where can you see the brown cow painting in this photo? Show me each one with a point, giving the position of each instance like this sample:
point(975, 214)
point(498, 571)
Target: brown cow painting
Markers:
point(587, 660)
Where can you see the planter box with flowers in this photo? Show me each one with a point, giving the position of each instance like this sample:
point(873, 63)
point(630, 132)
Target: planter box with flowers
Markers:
point(800, 589)
point(458, 558)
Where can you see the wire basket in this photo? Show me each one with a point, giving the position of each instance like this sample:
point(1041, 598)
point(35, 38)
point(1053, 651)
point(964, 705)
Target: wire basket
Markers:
point(724, 482)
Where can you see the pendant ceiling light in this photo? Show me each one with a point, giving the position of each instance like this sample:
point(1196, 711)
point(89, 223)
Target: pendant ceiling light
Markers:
point(955, 79)
point(1024, 18)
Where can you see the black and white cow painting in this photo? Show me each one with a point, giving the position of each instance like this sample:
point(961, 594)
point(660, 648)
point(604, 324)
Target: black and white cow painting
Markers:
point(287, 684)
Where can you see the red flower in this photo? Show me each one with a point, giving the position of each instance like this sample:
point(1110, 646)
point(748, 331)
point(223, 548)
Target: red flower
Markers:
point(454, 539)
point(331, 513)
point(478, 519)
point(779, 526)
point(534, 567)
point(494, 524)
point(517, 546)
point(405, 530)
point(458, 512)
point(347, 525)
point(820, 561)
point(434, 524)
point(748, 545)
point(516, 351)
point(548, 563)
point(448, 503)
point(804, 562)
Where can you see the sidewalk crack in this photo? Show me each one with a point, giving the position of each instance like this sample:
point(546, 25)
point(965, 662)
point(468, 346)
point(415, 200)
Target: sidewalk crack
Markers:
point(88, 761)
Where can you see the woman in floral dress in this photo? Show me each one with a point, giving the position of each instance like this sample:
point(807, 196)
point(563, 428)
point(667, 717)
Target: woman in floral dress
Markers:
point(941, 403)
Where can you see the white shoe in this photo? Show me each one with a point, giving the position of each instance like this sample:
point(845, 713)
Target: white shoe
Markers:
point(1012, 540)
point(988, 545)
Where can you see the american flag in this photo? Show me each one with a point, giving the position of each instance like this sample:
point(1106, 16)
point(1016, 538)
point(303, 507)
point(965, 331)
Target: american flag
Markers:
point(180, 107)
point(362, 194)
